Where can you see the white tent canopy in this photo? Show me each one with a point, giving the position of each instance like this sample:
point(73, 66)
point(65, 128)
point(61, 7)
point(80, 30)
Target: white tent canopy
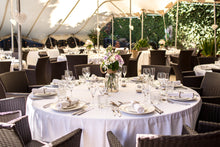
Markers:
point(64, 18)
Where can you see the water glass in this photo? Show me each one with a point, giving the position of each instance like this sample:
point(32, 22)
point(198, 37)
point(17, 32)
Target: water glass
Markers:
point(86, 72)
point(124, 70)
point(155, 96)
point(68, 75)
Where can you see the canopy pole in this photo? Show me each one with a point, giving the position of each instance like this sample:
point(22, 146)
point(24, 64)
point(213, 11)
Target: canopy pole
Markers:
point(164, 22)
point(142, 24)
point(177, 15)
point(12, 29)
point(215, 29)
point(130, 28)
point(19, 38)
point(51, 44)
point(112, 29)
point(97, 29)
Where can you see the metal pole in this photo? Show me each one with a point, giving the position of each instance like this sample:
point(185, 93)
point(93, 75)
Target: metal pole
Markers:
point(215, 30)
point(130, 28)
point(12, 29)
point(177, 11)
point(97, 29)
point(164, 27)
point(19, 38)
point(142, 25)
point(112, 29)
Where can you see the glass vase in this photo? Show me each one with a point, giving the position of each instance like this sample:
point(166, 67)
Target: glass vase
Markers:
point(111, 82)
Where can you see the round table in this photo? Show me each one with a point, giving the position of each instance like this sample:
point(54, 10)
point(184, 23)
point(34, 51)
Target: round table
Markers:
point(47, 124)
point(200, 70)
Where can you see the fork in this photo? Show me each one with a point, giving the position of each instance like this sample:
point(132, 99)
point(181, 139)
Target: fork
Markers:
point(157, 109)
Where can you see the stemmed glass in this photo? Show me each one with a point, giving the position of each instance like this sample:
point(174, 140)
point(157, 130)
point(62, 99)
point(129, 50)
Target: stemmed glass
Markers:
point(86, 72)
point(152, 73)
point(92, 90)
point(124, 70)
point(68, 75)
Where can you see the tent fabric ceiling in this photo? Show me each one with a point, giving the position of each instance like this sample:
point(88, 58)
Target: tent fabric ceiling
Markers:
point(64, 18)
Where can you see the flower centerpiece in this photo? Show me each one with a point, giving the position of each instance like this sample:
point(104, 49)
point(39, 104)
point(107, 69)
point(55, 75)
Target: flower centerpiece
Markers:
point(111, 64)
point(162, 42)
point(88, 44)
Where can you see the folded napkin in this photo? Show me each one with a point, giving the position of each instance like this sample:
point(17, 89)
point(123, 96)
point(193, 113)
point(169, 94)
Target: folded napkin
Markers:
point(93, 77)
point(137, 107)
point(176, 83)
point(55, 81)
point(181, 94)
point(43, 90)
point(66, 104)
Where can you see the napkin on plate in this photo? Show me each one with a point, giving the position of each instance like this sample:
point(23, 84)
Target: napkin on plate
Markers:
point(66, 103)
point(177, 83)
point(43, 90)
point(181, 94)
point(137, 107)
point(55, 81)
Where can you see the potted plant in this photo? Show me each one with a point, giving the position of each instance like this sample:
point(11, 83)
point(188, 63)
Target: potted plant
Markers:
point(208, 47)
point(141, 44)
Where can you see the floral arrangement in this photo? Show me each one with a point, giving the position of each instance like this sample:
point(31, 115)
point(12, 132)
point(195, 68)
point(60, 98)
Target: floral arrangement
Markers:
point(88, 44)
point(112, 60)
point(162, 42)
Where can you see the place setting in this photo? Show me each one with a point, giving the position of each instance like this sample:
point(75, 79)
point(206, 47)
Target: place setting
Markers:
point(43, 93)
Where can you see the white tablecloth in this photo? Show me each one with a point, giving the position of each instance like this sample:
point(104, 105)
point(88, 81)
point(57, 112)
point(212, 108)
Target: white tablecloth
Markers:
point(200, 70)
point(144, 58)
point(47, 124)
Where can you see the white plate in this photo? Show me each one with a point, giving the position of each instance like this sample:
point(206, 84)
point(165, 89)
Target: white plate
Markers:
point(182, 99)
point(127, 108)
point(178, 85)
point(136, 79)
point(74, 107)
point(44, 94)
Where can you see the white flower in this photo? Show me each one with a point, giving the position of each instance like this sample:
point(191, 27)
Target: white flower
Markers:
point(162, 42)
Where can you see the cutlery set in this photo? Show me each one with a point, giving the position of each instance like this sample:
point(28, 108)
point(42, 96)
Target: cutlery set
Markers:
point(81, 111)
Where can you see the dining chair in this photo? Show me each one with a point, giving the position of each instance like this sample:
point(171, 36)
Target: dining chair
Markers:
point(210, 88)
point(24, 55)
point(13, 104)
point(157, 57)
point(94, 69)
point(75, 60)
point(206, 60)
point(5, 66)
point(9, 115)
point(158, 68)
point(17, 133)
point(215, 70)
point(42, 54)
point(184, 60)
point(2, 91)
point(113, 140)
point(57, 69)
point(61, 51)
point(192, 139)
point(187, 78)
point(132, 66)
point(41, 75)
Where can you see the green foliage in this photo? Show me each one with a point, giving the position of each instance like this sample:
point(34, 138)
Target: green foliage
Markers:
point(208, 46)
point(141, 43)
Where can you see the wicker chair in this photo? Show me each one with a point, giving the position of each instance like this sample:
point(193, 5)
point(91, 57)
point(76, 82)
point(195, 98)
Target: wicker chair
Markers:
point(206, 60)
point(41, 75)
point(216, 70)
point(57, 69)
point(5, 66)
point(191, 139)
point(132, 66)
point(20, 135)
point(75, 60)
point(157, 57)
point(210, 88)
point(2, 91)
point(184, 60)
point(94, 69)
point(158, 68)
point(112, 139)
point(9, 115)
point(42, 54)
point(187, 78)
point(12, 104)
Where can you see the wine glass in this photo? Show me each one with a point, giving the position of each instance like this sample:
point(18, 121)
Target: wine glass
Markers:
point(152, 73)
point(68, 75)
point(124, 70)
point(92, 91)
point(86, 72)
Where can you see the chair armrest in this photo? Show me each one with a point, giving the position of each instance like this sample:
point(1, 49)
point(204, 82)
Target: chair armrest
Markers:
point(17, 94)
point(70, 139)
point(188, 73)
point(211, 99)
point(174, 59)
point(206, 126)
point(188, 131)
point(113, 140)
point(9, 115)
